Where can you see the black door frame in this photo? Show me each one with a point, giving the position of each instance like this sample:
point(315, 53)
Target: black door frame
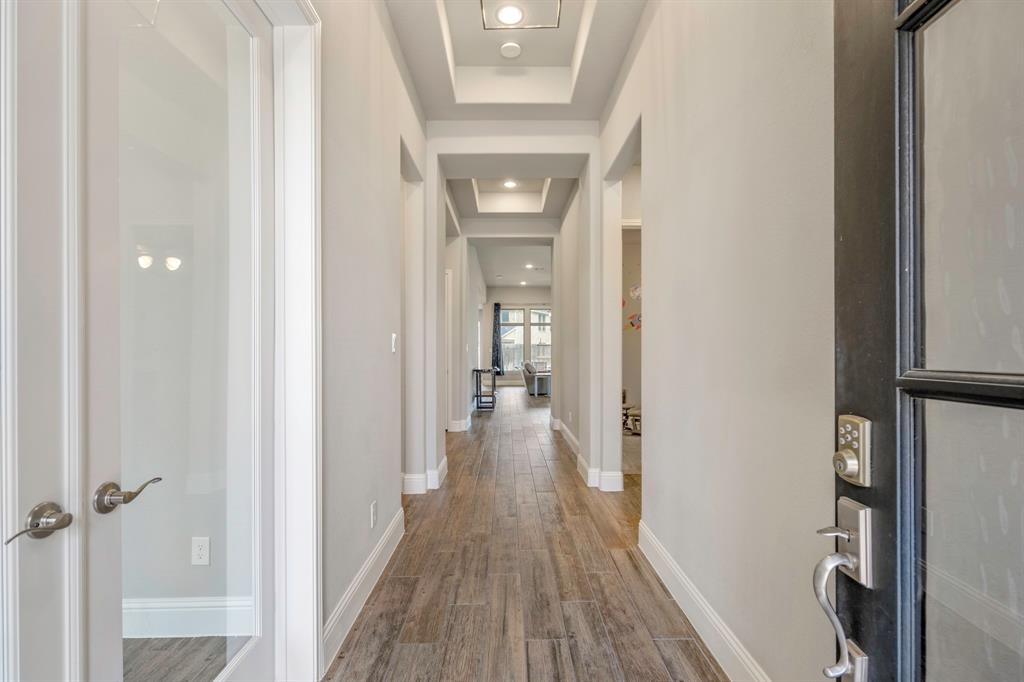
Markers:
point(879, 316)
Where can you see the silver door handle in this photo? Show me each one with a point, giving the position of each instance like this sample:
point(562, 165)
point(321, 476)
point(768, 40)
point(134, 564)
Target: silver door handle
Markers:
point(109, 495)
point(44, 518)
point(821, 574)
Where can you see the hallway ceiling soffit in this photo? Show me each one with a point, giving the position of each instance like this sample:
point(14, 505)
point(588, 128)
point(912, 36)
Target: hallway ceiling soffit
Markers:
point(562, 73)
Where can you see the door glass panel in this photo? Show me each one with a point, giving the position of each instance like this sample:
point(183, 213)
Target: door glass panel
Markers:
point(972, 567)
point(185, 200)
point(971, 104)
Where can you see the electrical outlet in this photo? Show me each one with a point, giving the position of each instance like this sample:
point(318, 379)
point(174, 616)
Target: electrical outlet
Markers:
point(373, 513)
point(200, 551)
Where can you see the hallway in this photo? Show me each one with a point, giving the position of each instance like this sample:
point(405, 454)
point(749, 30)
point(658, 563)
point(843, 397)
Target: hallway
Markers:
point(514, 569)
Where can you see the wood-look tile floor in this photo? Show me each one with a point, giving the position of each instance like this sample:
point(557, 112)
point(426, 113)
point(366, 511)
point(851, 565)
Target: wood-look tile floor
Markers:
point(177, 659)
point(515, 570)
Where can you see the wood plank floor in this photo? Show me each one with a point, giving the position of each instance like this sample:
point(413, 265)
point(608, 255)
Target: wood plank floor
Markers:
point(178, 659)
point(515, 570)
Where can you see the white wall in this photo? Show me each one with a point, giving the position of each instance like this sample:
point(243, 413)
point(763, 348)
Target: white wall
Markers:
point(632, 207)
point(366, 110)
point(469, 293)
point(737, 145)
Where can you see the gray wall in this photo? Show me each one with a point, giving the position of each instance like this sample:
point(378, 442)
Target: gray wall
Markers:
point(736, 104)
point(566, 272)
point(366, 110)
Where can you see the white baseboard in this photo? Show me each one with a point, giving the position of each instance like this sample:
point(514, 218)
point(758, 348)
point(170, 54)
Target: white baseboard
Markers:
point(570, 437)
point(591, 475)
point(738, 663)
point(414, 484)
point(989, 615)
point(611, 481)
point(187, 617)
point(351, 603)
point(435, 477)
point(458, 425)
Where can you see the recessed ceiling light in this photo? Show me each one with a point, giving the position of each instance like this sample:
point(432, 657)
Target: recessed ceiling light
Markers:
point(529, 266)
point(172, 263)
point(145, 261)
point(510, 184)
point(510, 15)
point(511, 50)
point(522, 284)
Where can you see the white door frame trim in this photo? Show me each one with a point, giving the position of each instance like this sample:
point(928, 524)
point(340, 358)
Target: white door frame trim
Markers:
point(8, 314)
point(299, 622)
point(71, 629)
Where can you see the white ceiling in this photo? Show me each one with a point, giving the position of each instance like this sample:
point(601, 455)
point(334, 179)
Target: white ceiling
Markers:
point(541, 47)
point(498, 185)
point(528, 200)
point(563, 73)
point(503, 261)
point(560, 192)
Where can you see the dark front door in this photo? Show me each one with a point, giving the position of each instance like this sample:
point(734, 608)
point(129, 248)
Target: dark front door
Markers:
point(929, 187)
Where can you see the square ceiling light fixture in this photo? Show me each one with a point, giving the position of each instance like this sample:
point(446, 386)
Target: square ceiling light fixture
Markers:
point(520, 14)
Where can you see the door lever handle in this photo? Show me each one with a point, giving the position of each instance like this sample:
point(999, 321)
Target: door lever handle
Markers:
point(42, 521)
point(835, 532)
point(109, 495)
point(821, 574)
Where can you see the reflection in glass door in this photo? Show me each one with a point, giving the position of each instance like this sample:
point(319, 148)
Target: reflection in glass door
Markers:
point(182, 97)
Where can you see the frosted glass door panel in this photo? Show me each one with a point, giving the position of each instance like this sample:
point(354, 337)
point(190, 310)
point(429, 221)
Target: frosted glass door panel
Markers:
point(971, 111)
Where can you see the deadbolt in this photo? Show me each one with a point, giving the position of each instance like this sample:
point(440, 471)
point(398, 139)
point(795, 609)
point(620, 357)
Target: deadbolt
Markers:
point(846, 463)
point(852, 460)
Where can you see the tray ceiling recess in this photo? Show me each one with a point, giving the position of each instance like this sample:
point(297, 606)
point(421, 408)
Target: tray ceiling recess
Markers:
point(505, 15)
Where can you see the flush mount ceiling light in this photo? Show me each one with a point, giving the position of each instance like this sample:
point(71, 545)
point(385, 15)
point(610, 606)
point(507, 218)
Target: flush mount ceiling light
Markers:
point(510, 15)
point(505, 15)
point(510, 184)
point(522, 284)
point(510, 50)
point(529, 266)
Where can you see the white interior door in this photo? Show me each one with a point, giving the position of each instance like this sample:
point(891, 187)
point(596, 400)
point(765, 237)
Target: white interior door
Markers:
point(139, 329)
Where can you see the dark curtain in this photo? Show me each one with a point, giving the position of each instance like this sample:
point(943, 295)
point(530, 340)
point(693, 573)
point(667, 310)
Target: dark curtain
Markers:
point(496, 362)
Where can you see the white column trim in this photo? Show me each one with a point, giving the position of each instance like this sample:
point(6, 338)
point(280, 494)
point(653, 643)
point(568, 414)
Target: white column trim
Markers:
point(298, 651)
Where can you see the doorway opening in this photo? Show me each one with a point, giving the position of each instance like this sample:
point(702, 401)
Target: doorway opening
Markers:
point(632, 324)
